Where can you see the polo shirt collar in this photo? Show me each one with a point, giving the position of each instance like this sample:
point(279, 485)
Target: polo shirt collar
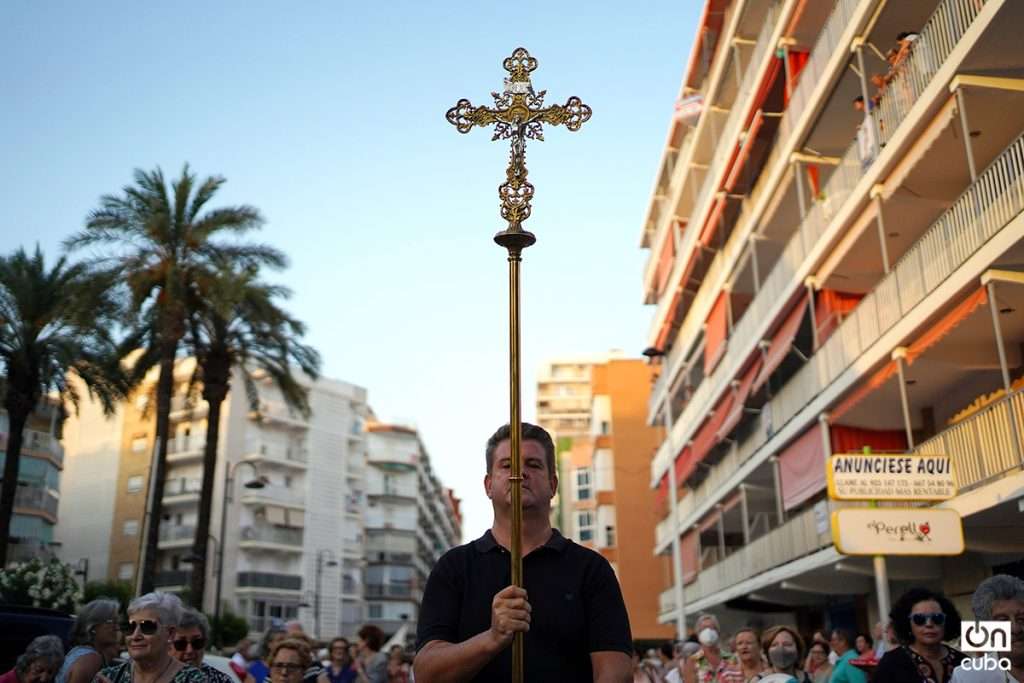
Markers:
point(487, 543)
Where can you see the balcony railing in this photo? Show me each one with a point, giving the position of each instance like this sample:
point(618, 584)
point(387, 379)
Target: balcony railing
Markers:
point(38, 442)
point(176, 533)
point(291, 582)
point(796, 538)
point(182, 487)
point(378, 590)
point(272, 534)
point(981, 446)
point(293, 454)
point(173, 577)
point(780, 281)
point(193, 444)
point(36, 498)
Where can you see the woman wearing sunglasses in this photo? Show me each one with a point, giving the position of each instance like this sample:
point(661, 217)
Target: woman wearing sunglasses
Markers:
point(152, 622)
point(922, 619)
point(189, 645)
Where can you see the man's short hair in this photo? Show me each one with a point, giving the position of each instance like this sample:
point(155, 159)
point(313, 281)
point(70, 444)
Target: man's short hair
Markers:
point(372, 636)
point(844, 635)
point(530, 432)
point(998, 587)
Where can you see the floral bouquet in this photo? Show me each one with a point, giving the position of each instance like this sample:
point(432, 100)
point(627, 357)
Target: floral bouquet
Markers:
point(41, 583)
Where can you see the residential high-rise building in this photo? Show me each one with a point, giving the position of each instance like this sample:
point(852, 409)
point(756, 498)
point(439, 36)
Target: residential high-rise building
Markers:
point(411, 520)
point(835, 238)
point(607, 487)
point(292, 549)
point(39, 472)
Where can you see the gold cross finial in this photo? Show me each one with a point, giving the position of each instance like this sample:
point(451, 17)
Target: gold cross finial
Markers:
point(518, 113)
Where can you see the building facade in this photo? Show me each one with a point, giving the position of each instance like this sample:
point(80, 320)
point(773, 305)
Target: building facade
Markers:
point(37, 497)
point(607, 475)
point(292, 548)
point(411, 520)
point(830, 274)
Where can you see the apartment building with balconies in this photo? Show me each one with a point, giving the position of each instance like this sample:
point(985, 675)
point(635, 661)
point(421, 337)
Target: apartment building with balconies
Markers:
point(829, 275)
point(37, 498)
point(411, 520)
point(292, 548)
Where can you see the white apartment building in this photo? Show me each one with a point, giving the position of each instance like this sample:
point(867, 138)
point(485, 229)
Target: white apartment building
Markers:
point(411, 520)
point(826, 278)
point(293, 549)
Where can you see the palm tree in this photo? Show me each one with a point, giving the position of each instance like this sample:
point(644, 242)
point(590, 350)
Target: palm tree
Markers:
point(163, 243)
point(241, 326)
point(54, 326)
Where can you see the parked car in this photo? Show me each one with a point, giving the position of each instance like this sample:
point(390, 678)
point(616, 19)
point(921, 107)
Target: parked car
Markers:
point(19, 625)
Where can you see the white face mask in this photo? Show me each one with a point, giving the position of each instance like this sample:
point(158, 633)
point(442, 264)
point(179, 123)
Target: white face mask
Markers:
point(708, 636)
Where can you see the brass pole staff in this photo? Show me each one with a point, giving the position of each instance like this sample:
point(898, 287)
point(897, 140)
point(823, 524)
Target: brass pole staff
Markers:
point(518, 114)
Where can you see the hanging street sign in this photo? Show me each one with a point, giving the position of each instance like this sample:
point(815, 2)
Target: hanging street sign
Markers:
point(897, 531)
point(859, 476)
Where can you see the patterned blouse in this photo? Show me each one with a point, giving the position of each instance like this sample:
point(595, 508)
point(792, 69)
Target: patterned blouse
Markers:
point(122, 673)
point(903, 665)
point(725, 672)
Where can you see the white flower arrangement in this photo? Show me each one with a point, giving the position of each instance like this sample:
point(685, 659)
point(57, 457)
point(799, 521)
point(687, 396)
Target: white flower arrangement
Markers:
point(39, 583)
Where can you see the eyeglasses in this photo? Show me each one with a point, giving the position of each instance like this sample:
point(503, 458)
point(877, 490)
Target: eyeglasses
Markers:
point(197, 643)
point(147, 626)
point(922, 618)
point(286, 667)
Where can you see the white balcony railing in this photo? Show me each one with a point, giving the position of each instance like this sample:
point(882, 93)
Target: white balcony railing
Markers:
point(930, 48)
point(978, 214)
point(170, 532)
point(281, 453)
point(272, 534)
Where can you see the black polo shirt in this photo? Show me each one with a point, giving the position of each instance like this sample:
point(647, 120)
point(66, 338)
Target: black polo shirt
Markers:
point(576, 600)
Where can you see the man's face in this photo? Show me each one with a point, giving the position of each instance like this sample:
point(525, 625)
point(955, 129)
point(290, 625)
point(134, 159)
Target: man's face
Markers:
point(539, 484)
point(188, 645)
point(1013, 612)
point(838, 643)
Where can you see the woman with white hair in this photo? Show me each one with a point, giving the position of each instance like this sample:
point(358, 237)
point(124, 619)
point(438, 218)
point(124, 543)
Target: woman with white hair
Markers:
point(95, 641)
point(39, 663)
point(152, 623)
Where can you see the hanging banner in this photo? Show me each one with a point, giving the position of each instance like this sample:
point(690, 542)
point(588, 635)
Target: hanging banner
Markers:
point(859, 476)
point(897, 531)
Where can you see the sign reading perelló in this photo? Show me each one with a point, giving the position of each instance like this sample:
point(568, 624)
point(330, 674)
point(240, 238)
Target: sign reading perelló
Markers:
point(897, 531)
point(856, 476)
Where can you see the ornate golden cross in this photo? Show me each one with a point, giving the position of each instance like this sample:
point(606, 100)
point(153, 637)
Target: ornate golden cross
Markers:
point(518, 113)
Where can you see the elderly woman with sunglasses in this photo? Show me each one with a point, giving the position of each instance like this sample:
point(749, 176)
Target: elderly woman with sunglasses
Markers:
point(189, 645)
point(152, 627)
point(923, 619)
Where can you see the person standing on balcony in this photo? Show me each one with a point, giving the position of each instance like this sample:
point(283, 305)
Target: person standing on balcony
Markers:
point(844, 672)
point(571, 613)
point(95, 641)
point(923, 619)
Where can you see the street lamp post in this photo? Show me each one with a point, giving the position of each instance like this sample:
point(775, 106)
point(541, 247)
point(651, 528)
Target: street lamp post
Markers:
point(257, 482)
point(320, 564)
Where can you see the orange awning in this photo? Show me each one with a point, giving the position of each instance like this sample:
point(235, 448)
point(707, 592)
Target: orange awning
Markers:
point(830, 307)
point(665, 262)
point(712, 222)
point(741, 396)
point(944, 326)
point(707, 435)
point(862, 391)
point(767, 83)
point(744, 154)
point(802, 467)
point(715, 333)
point(781, 342)
point(685, 464)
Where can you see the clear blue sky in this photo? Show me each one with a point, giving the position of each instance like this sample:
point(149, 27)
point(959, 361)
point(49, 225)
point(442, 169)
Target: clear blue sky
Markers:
point(329, 117)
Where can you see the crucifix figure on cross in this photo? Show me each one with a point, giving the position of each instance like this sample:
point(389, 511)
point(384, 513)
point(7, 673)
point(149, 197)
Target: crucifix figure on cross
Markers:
point(518, 113)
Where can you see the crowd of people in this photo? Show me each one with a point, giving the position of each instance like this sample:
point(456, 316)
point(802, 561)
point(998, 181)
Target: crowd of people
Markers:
point(915, 645)
point(163, 641)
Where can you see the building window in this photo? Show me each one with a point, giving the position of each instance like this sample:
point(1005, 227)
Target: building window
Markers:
point(375, 610)
point(583, 485)
point(131, 527)
point(135, 484)
point(139, 443)
point(606, 427)
point(609, 536)
point(126, 571)
point(585, 524)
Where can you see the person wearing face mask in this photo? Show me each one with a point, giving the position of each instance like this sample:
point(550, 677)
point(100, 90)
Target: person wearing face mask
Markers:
point(710, 664)
point(784, 649)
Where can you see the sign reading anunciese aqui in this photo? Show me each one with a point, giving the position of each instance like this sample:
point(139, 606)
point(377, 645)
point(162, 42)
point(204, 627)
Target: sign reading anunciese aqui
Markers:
point(855, 476)
point(897, 531)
